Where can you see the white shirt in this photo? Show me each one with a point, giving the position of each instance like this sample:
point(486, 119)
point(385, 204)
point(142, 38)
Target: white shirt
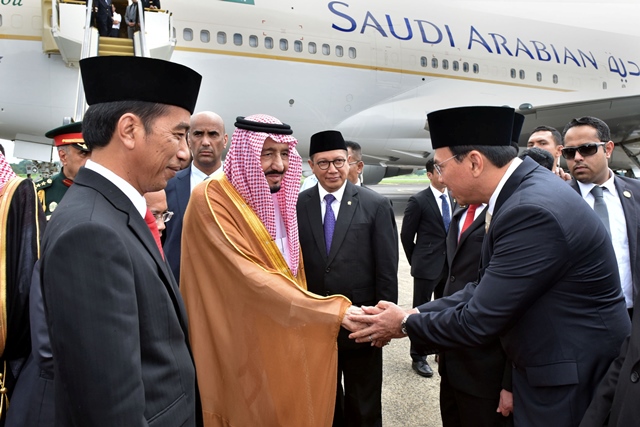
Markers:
point(116, 17)
point(197, 176)
point(618, 227)
point(335, 205)
point(132, 194)
point(282, 240)
point(437, 194)
point(510, 170)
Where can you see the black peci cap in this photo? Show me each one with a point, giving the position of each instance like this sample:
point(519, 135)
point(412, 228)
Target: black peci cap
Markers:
point(134, 78)
point(326, 141)
point(471, 126)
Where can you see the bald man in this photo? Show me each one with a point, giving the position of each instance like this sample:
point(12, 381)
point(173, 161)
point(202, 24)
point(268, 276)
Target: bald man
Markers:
point(207, 141)
point(157, 204)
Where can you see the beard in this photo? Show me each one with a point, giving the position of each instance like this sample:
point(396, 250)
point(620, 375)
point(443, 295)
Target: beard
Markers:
point(276, 187)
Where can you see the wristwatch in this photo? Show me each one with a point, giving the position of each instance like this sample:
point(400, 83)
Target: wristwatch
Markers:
point(403, 324)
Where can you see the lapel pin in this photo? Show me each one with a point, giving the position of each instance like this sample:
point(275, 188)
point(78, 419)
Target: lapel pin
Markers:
point(626, 194)
point(349, 202)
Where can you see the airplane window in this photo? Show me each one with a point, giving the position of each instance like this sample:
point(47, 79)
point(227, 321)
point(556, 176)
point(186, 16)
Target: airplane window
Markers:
point(284, 44)
point(253, 41)
point(604, 85)
point(352, 52)
point(268, 42)
point(326, 49)
point(434, 62)
point(521, 74)
point(297, 46)
point(423, 61)
point(445, 64)
point(339, 51)
point(187, 34)
point(312, 48)
point(476, 68)
point(456, 66)
point(1, 22)
point(205, 37)
point(465, 67)
point(539, 76)
point(555, 79)
point(237, 39)
point(513, 73)
point(222, 37)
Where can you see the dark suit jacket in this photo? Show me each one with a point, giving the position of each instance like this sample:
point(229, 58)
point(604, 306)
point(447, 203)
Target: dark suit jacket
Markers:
point(478, 371)
point(631, 208)
point(422, 218)
point(116, 320)
point(363, 262)
point(549, 289)
point(178, 193)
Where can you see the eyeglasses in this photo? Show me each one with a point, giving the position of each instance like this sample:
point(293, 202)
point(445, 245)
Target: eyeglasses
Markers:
point(354, 163)
point(324, 164)
point(164, 216)
point(585, 150)
point(439, 165)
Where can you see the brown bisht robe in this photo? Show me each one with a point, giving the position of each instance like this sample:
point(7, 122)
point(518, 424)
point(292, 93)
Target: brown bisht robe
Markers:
point(264, 347)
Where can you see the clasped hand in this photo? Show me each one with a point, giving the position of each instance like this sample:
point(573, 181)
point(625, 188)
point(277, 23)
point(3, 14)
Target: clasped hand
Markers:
point(376, 325)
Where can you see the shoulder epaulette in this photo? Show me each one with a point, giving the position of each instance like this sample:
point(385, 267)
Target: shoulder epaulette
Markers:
point(43, 183)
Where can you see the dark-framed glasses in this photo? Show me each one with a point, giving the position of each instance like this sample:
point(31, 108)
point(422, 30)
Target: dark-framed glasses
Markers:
point(585, 150)
point(324, 164)
point(438, 166)
point(164, 216)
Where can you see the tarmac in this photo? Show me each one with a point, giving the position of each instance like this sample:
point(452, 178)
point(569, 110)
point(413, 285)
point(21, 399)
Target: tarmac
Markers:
point(408, 400)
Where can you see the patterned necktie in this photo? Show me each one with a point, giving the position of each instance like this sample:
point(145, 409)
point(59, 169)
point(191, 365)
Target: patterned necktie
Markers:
point(471, 213)
point(153, 226)
point(329, 221)
point(600, 207)
point(446, 216)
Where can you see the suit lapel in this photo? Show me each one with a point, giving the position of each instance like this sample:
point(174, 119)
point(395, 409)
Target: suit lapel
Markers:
point(314, 217)
point(348, 207)
point(433, 204)
point(452, 236)
point(138, 226)
point(631, 218)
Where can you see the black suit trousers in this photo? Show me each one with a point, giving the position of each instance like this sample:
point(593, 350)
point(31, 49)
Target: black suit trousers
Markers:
point(422, 291)
point(359, 402)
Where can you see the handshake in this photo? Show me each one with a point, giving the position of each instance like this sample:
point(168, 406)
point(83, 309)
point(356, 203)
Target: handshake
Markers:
point(376, 325)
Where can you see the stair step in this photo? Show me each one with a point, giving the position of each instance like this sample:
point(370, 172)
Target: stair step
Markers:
point(103, 52)
point(116, 41)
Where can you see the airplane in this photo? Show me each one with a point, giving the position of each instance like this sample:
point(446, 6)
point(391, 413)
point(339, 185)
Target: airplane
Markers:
point(372, 69)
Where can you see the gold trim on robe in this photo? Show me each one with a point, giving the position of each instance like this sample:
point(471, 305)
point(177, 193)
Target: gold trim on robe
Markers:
point(264, 347)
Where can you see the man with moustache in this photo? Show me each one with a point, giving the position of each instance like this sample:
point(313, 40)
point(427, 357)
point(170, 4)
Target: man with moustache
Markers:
point(615, 199)
point(207, 140)
point(548, 281)
point(265, 347)
point(116, 321)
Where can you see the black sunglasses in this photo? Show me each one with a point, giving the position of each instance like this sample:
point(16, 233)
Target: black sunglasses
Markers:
point(585, 150)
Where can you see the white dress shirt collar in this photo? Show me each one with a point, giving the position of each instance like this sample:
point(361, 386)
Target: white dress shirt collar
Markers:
point(510, 170)
point(132, 194)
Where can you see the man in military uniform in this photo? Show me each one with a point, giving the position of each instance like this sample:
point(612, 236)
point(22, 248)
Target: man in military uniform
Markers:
point(73, 153)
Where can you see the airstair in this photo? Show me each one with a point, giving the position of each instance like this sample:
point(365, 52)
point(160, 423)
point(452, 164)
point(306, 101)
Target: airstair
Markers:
point(68, 30)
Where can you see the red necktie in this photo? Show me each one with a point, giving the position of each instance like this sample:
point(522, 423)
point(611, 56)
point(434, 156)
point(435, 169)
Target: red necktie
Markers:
point(153, 226)
point(471, 213)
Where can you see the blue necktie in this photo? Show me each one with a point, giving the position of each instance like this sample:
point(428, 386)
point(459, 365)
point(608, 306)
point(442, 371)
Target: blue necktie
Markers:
point(446, 216)
point(329, 221)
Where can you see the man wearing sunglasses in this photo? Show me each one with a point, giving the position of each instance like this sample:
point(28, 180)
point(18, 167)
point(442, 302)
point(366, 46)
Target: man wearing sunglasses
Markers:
point(548, 285)
point(587, 150)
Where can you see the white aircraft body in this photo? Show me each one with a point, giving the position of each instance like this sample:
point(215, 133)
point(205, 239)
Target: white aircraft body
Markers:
point(372, 69)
